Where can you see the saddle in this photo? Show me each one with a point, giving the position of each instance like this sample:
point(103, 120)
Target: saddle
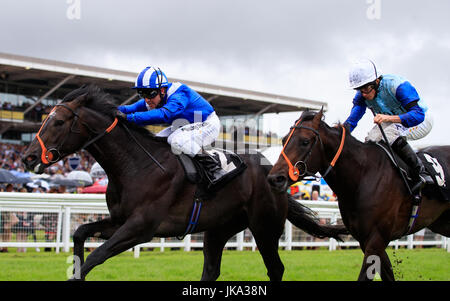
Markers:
point(231, 166)
point(438, 172)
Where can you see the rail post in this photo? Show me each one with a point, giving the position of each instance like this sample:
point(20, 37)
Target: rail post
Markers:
point(187, 243)
point(333, 242)
point(137, 250)
point(59, 230)
point(240, 241)
point(288, 235)
point(66, 229)
point(410, 241)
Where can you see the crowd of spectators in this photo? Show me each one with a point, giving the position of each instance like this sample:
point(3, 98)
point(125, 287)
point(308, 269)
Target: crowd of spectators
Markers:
point(19, 226)
point(34, 114)
point(10, 159)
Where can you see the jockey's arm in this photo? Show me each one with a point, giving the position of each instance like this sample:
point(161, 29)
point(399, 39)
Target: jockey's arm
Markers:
point(138, 106)
point(165, 114)
point(409, 99)
point(357, 112)
point(413, 117)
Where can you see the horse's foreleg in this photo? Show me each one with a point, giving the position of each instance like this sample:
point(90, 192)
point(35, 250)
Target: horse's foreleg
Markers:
point(375, 260)
point(133, 232)
point(103, 229)
point(213, 244)
point(267, 229)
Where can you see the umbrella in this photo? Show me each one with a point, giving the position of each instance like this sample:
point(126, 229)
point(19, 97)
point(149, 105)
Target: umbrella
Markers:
point(65, 182)
point(21, 177)
point(41, 176)
point(81, 176)
point(7, 177)
point(22, 180)
point(97, 171)
point(20, 174)
point(94, 189)
point(39, 183)
point(98, 187)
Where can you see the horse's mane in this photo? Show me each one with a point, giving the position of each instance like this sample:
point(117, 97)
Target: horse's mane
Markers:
point(101, 102)
point(309, 115)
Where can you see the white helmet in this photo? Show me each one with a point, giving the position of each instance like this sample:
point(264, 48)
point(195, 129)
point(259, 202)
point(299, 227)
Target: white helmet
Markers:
point(363, 72)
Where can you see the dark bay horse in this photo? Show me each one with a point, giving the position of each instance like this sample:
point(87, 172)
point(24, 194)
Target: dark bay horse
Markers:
point(146, 200)
point(373, 200)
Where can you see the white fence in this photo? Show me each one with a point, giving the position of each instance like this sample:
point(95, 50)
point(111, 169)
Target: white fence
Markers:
point(52, 219)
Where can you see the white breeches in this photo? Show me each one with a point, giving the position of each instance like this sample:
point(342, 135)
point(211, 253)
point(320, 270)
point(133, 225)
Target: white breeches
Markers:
point(190, 138)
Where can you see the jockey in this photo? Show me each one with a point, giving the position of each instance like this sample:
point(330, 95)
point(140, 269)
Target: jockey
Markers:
point(398, 108)
point(194, 123)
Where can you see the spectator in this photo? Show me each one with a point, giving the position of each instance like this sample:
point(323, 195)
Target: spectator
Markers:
point(23, 228)
point(10, 159)
point(315, 196)
point(8, 221)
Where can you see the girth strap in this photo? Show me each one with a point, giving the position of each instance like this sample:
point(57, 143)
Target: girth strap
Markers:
point(193, 221)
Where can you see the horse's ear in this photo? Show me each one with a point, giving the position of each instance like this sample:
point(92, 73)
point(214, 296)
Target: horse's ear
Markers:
point(318, 118)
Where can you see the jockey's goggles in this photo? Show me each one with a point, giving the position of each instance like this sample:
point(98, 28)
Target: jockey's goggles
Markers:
point(366, 89)
point(148, 93)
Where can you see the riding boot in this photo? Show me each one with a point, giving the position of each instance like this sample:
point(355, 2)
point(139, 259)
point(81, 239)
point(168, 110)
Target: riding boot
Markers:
point(407, 154)
point(212, 167)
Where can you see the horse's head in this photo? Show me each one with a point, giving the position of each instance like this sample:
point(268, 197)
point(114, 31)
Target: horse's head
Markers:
point(67, 129)
point(299, 156)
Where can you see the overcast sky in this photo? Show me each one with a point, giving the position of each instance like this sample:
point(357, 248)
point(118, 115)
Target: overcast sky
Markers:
point(296, 48)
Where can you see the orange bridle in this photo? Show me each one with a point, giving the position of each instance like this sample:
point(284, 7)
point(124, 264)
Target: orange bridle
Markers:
point(294, 172)
point(47, 155)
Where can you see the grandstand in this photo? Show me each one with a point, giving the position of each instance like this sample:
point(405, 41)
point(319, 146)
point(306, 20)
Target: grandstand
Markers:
point(29, 87)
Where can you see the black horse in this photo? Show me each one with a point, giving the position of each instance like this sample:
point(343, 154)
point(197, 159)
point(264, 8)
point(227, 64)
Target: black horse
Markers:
point(146, 200)
point(373, 200)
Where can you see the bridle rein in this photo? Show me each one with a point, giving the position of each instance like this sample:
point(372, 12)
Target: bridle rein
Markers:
point(294, 172)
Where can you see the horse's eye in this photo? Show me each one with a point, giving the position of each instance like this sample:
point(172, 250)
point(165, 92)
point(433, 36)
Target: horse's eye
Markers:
point(305, 142)
point(59, 122)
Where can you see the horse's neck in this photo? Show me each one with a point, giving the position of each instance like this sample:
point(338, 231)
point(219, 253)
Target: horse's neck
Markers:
point(120, 155)
point(344, 178)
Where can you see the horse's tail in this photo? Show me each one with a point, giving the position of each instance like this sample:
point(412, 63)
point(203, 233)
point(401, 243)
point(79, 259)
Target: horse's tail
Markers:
point(302, 217)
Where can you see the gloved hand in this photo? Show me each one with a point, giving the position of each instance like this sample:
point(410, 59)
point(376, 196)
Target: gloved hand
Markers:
point(120, 115)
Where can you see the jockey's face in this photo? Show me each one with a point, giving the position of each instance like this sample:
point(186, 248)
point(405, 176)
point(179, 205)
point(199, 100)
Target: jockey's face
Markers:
point(370, 95)
point(369, 91)
point(154, 102)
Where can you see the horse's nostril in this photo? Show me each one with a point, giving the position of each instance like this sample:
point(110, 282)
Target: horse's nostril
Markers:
point(277, 180)
point(280, 180)
point(29, 161)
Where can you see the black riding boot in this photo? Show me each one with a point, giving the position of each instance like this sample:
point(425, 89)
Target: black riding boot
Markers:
point(213, 168)
point(407, 154)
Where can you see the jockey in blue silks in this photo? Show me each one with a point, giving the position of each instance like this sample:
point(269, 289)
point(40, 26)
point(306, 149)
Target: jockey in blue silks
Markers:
point(400, 111)
point(194, 123)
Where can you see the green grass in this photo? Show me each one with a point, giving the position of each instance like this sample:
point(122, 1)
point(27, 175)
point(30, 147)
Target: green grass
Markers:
point(305, 265)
